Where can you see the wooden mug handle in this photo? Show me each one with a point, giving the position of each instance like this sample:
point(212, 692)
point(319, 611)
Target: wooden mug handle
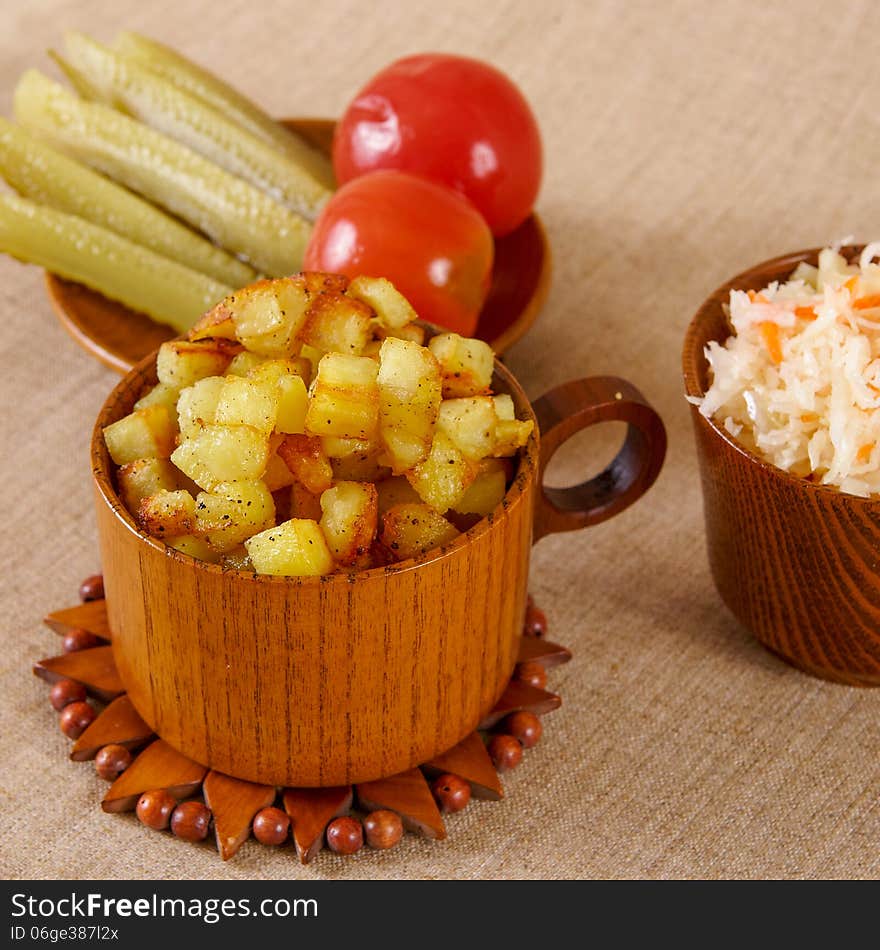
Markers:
point(574, 406)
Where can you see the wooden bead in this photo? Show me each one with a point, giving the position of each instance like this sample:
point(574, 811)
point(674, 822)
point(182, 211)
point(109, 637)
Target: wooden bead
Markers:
point(190, 821)
point(78, 640)
point(65, 692)
point(76, 718)
point(271, 826)
point(524, 726)
point(452, 793)
point(383, 829)
point(505, 752)
point(92, 588)
point(532, 673)
point(345, 835)
point(112, 761)
point(536, 622)
point(154, 808)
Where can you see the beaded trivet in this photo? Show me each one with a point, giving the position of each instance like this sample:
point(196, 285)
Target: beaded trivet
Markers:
point(169, 791)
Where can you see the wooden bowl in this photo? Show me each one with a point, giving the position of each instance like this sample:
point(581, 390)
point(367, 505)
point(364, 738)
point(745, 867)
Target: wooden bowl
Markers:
point(798, 563)
point(349, 677)
point(120, 337)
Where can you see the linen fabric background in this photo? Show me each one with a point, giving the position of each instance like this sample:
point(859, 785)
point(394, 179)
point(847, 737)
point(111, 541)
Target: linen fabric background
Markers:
point(684, 142)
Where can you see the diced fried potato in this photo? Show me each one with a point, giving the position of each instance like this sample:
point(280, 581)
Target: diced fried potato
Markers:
point(486, 491)
point(244, 363)
point(181, 363)
point(396, 491)
point(360, 465)
point(510, 435)
point(168, 514)
point(292, 549)
point(304, 456)
point(470, 423)
point(232, 512)
point(466, 364)
point(336, 448)
point(303, 503)
point(277, 474)
point(290, 379)
point(160, 395)
point(392, 308)
point(270, 314)
point(144, 477)
point(412, 332)
point(313, 357)
point(216, 324)
point(273, 370)
point(345, 398)
point(348, 519)
point(195, 547)
point(336, 323)
point(504, 407)
point(217, 454)
point(409, 400)
point(444, 476)
point(244, 402)
point(197, 404)
point(317, 282)
point(144, 433)
point(412, 529)
point(372, 350)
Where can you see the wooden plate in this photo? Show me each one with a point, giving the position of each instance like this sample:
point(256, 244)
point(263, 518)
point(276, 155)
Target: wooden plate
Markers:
point(120, 337)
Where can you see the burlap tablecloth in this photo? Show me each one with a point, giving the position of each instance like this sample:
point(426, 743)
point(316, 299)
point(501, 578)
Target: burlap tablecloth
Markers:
point(684, 141)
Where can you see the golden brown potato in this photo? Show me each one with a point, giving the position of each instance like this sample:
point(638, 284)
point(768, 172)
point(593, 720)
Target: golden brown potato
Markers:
point(344, 399)
point(444, 476)
point(182, 363)
point(392, 309)
point(168, 514)
point(217, 454)
point(304, 456)
point(293, 549)
point(304, 504)
point(336, 323)
point(467, 365)
point(413, 529)
point(348, 519)
point(143, 434)
point(232, 512)
point(144, 477)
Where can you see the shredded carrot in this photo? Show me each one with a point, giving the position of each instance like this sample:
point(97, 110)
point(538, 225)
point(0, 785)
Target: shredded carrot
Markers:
point(864, 453)
point(805, 313)
point(770, 333)
point(867, 303)
point(851, 284)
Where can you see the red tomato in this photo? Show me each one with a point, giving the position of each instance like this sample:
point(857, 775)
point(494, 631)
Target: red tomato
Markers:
point(454, 120)
point(427, 240)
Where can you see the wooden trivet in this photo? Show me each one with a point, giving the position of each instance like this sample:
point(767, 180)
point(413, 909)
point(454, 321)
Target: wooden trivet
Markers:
point(168, 790)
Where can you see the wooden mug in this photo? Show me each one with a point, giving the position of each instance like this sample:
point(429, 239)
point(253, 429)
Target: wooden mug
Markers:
point(320, 681)
point(798, 563)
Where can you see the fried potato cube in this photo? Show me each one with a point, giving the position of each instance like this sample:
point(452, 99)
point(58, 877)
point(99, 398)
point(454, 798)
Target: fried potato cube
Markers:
point(412, 332)
point(348, 519)
point(168, 514)
point(504, 407)
point(216, 324)
point(273, 370)
point(318, 282)
point(466, 364)
point(409, 400)
point(232, 512)
point(412, 529)
point(197, 404)
point(160, 395)
point(345, 398)
point(143, 434)
point(290, 379)
point(195, 547)
point(295, 548)
point(303, 503)
point(304, 456)
point(144, 477)
point(244, 363)
point(277, 474)
point(243, 402)
point(470, 423)
point(396, 491)
point(486, 491)
point(217, 454)
point(444, 476)
point(336, 323)
point(392, 309)
point(510, 435)
point(181, 363)
point(359, 464)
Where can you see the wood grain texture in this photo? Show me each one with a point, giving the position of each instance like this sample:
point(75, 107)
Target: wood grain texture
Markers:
point(538, 650)
point(91, 616)
point(520, 696)
point(234, 804)
point(410, 796)
point(469, 760)
point(310, 811)
point(119, 723)
point(311, 682)
point(94, 668)
point(120, 337)
point(158, 766)
point(576, 405)
point(796, 562)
